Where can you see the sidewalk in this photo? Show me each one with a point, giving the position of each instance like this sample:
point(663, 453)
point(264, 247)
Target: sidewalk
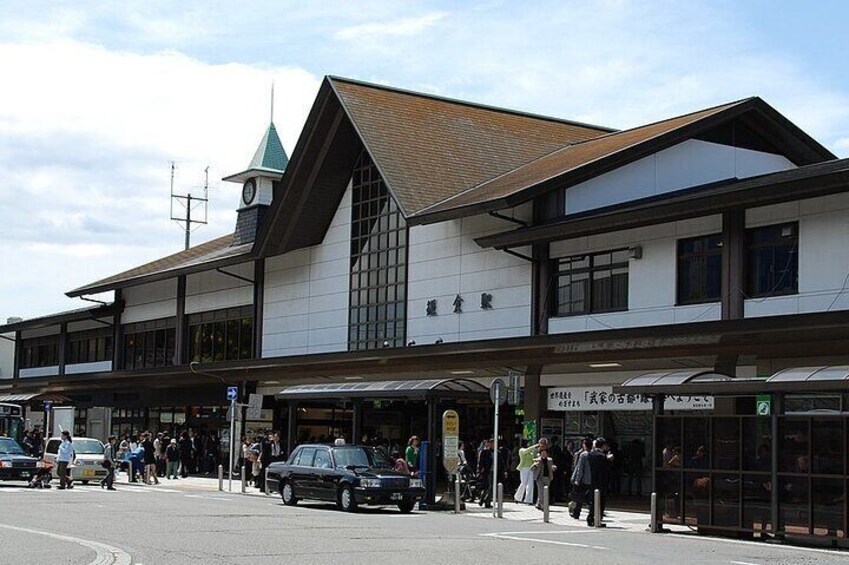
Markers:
point(208, 483)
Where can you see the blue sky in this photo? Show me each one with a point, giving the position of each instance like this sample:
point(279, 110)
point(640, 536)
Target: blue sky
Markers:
point(100, 97)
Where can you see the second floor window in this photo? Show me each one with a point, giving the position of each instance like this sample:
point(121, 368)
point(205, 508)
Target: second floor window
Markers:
point(772, 260)
point(151, 344)
point(700, 269)
point(90, 346)
point(222, 335)
point(40, 352)
point(592, 284)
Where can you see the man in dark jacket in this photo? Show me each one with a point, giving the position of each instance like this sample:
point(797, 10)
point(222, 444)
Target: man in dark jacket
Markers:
point(485, 473)
point(186, 449)
point(599, 477)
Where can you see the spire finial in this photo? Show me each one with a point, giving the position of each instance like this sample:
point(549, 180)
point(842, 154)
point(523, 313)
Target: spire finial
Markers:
point(272, 101)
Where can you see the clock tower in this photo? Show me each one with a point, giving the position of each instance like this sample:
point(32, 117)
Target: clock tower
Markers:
point(257, 182)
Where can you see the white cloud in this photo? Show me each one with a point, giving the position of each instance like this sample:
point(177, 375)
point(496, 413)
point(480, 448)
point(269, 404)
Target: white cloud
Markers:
point(402, 27)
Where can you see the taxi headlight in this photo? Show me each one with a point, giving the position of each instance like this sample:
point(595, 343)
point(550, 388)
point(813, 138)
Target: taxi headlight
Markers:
point(79, 463)
point(370, 483)
point(415, 483)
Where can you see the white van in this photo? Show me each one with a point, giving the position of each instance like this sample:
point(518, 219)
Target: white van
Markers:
point(88, 456)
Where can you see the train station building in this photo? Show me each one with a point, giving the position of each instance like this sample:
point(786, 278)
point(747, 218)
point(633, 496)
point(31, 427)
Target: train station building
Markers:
point(409, 237)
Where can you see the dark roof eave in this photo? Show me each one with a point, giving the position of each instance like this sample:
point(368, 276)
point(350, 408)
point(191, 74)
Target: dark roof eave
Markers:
point(162, 275)
point(772, 188)
point(95, 312)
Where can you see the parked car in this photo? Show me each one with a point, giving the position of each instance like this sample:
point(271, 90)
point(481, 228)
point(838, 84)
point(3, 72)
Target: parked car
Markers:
point(88, 458)
point(15, 464)
point(348, 475)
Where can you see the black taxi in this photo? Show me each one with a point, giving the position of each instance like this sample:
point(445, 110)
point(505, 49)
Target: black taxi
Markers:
point(349, 475)
point(15, 464)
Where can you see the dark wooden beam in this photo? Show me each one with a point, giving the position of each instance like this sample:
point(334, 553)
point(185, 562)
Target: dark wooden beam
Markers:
point(181, 338)
point(259, 301)
point(63, 347)
point(117, 333)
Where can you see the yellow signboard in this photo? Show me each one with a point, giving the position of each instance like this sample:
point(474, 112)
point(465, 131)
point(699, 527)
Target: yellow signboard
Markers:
point(450, 440)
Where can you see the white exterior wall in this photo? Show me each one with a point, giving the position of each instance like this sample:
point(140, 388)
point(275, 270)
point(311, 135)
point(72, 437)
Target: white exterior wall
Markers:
point(651, 280)
point(93, 367)
point(823, 255)
point(150, 301)
point(444, 261)
point(7, 356)
point(40, 372)
point(211, 290)
point(307, 293)
point(690, 163)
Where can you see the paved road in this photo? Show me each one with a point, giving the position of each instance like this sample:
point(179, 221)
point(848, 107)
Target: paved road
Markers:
point(177, 524)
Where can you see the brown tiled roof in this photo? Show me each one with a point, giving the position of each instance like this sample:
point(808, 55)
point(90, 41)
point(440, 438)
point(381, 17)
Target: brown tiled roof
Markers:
point(429, 148)
point(211, 251)
point(570, 159)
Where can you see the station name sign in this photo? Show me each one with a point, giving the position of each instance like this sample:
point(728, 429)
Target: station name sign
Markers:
point(603, 399)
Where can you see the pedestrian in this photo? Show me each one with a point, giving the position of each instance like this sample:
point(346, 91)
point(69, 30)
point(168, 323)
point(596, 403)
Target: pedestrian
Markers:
point(63, 459)
point(277, 451)
point(543, 469)
point(581, 479)
point(525, 492)
point(149, 459)
point(172, 455)
point(109, 463)
point(411, 455)
point(400, 464)
point(159, 444)
point(600, 465)
point(485, 460)
point(185, 454)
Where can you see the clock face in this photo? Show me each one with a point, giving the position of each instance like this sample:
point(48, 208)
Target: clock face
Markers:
point(249, 191)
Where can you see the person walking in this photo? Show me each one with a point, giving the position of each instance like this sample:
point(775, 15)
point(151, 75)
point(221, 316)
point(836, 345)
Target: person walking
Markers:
point(411, 455)
point(185, 454)
point(525, 492)
point(581, 479)
point(172, 456)
point(63, 460)
point(543, 471)
point(109, 463)
point(600, 464)
point(485, 460)
point(149, 458)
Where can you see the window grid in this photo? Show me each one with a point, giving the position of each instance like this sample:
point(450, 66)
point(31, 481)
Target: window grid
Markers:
point(90, 346)
point(699, 269)
point(150, 344)
point(378, 293)
point(772, 267)
point(592, 284)
point(40, 352)
point(221, 335)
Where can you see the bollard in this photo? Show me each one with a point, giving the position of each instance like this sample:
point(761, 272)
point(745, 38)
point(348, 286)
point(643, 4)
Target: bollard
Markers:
point(545, 505)
point(243, 478)
point(221, 478)
point(265, 484)
point(500, 494)
point(145, 476)
point(456, 493)
point(653, 526)
point(597, 508)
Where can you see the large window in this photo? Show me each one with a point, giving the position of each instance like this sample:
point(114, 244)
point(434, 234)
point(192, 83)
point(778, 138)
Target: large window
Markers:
point(148, 345)
point(700, 269)
point(221, 335)
point(378, 263)
point(591, 284)
point(40, 352)
point(90, 346)
point(772, 260)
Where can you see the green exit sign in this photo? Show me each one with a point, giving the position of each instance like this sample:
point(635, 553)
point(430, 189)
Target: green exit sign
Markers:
point(763, 405)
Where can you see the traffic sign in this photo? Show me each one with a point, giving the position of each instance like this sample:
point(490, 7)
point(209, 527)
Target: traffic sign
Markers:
point(232, 393)
point(498, 392)
point(763, 405)
point(47, 405)
point(514, 396)
point(450, 440)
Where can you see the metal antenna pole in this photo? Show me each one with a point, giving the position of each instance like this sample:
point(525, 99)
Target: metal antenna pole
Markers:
point(188, 201)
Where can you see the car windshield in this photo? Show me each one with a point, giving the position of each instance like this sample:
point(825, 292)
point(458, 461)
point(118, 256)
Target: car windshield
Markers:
point(10, 447)
point(360, 457)
point(88, 447)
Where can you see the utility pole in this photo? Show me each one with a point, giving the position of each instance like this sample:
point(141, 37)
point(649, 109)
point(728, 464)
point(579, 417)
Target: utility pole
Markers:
point(189, 202)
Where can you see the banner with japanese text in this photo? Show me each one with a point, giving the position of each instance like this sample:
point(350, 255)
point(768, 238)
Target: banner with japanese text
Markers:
point(602, 398)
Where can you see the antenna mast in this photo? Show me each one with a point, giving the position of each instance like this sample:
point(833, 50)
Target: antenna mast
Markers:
point(189, 204)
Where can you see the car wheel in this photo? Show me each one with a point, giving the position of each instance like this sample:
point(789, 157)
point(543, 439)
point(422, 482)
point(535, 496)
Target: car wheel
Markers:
point(406, 507)
point(287, 493)
point(347, 502)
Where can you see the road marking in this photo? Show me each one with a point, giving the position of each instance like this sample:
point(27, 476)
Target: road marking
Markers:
point(218, 498)
point(498, 535)
point(106, 554)
point(543, 533)
point(743, 563)
point(756, 543)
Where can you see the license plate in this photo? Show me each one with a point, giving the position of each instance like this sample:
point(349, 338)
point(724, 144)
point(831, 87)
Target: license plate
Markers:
point(396, 496)
point(88, 472)
point(24, 475)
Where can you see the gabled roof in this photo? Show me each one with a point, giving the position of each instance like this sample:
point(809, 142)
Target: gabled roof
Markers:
point(94, 312)
point(580, 161)
point(270, 158)
point(427, 149)
point(214, 253)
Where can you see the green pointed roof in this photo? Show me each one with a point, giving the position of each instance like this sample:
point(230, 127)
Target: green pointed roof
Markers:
point(270, 153)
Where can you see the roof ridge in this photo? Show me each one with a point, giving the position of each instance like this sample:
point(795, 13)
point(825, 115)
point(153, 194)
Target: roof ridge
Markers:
point(471, 104)
point(585, 141)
